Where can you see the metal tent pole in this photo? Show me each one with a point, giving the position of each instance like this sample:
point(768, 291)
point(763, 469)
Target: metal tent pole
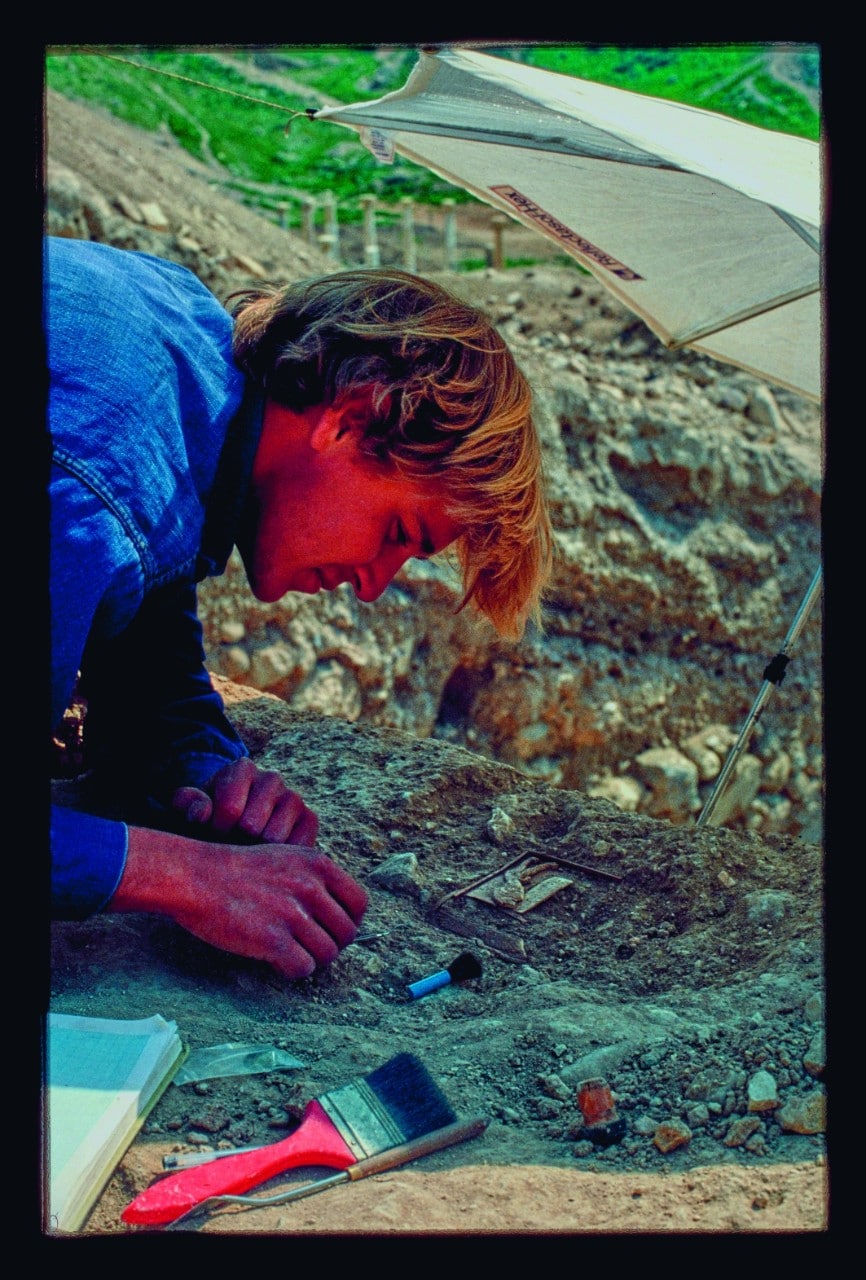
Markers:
point(773, 675)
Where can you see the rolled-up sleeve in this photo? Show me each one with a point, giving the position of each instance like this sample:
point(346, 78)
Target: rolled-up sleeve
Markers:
point(88, 855)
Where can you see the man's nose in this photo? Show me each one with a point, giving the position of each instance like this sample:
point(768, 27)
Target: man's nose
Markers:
point(375, 576)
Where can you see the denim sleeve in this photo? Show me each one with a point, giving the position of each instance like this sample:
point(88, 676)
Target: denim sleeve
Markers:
point(154, 720)
point(153, 723)
point(88, 855)
point(95, 582)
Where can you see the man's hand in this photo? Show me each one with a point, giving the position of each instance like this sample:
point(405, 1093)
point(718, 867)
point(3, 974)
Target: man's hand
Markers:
point(290, 906)
point(251, 803)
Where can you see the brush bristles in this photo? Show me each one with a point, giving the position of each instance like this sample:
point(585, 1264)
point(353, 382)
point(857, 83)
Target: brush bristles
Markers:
point(466, 966)
point(410, 1095)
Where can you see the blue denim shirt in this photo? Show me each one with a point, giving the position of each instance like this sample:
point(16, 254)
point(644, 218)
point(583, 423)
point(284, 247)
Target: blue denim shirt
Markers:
point(153, 432)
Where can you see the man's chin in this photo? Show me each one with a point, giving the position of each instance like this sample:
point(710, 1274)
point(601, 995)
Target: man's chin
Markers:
point(307, 582)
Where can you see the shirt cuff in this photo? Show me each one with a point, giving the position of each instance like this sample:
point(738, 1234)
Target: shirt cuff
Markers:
point(88, 856)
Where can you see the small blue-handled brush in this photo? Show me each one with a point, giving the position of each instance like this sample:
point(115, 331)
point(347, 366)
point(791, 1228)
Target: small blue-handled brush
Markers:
point(462, 969)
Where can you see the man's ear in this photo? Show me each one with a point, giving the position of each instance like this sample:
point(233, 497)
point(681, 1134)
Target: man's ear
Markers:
point(344, 421)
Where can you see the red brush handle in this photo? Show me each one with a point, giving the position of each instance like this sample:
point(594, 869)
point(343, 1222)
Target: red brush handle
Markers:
point(316, 1141)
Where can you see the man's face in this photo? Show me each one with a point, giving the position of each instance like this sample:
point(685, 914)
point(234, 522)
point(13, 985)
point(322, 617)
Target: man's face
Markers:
point(322, 513)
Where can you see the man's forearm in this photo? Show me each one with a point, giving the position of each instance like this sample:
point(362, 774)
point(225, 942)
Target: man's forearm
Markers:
point(286, 904)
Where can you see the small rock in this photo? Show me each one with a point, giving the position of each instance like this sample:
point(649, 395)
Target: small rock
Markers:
point(500, 826)
point(815, 1058)
point(153, 216)
point(399, 873)
point(672, 780)
point(764, 410)
point(231, 631)
point(250, 265)
point(555, 1087)
point(645, 1126)
point(234, 661)
point(777, 773)
point(128, 208)
point(509, 891)
point(671, 1134)
point(697, 1116)
point(807, 1114)
point(213, 1120)
point(625, 793)
point(757, 1144)
point(740, 1130)
point(708, 762)
point(743, 786)
point(763, 1094)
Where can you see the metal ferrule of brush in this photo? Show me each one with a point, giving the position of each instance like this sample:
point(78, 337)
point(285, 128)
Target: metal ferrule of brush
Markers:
point(363, 1122)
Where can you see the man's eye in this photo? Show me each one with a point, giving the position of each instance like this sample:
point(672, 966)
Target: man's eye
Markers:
point(399, 534)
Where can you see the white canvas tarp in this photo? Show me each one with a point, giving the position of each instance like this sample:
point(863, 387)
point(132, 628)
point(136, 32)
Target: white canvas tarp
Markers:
point(707, 228)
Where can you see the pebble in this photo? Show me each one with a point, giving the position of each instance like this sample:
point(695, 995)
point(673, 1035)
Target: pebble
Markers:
point(741, 1130)
point(555, 1087)
point(500, 826)
point(763, 1094)
point(671, 1134)
point(398, 873)
point(815, 1058)
point(645, 1126)
point(697, 1116)
point(757, 1144)
point(804, 1115)
point(211, 1121)
point(231, 631)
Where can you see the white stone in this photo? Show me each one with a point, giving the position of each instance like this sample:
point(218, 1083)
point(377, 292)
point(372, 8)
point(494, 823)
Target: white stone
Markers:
point(672, 780)
point(763, 1093)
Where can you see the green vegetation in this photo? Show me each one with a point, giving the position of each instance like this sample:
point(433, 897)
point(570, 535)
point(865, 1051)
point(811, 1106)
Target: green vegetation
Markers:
point(188, 93)
point(731, 79)
point(220, 105)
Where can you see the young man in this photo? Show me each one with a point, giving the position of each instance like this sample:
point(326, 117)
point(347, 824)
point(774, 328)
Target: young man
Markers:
point(331, 430)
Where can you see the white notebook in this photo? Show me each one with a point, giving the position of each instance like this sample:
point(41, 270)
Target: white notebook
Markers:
point(103, 1075)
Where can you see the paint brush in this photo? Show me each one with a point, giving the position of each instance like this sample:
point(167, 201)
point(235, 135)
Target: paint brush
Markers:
point(393, 1158)
point(460, 970)
point(393, 1105)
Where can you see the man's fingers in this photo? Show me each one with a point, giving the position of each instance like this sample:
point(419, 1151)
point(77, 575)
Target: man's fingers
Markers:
point(230, 790)
point(257, 803)
point(291, 822)
point(352, 898)
point(195, 805)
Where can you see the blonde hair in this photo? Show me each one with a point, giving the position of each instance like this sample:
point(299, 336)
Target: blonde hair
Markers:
point(450, 402)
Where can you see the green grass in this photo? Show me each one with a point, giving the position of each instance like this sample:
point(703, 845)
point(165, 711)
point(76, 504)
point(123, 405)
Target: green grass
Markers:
point(726, 78)
point(250, 140)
